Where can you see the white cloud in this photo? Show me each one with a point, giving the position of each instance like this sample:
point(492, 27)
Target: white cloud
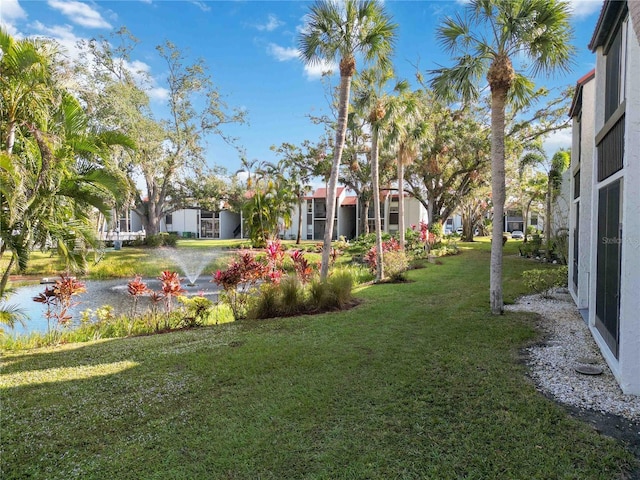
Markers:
point(11, 10)
point(315, 71)
point(80, 13)
point(584, 8)
point(282, 54)
point(272, 23)
point(556, 141)
point(201, 5)
point(159, 94)
point(63, 34)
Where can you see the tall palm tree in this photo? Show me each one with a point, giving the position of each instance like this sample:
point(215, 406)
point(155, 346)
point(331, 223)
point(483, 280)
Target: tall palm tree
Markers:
point(406, 133)
point(343, 30)
point(370, 96)
point(485, 42)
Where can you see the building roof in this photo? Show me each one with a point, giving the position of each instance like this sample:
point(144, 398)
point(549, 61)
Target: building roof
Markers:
point(611, 12)
point(576, 103)
point(322, 193)
point(350, 201)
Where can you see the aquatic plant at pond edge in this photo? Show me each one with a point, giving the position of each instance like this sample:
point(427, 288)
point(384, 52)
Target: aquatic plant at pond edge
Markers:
point(58, 300)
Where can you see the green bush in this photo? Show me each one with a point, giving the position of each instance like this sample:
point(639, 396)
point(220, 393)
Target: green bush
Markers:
point(162, 240)
point(341, 285)
point(292, 296)
point(266, 303)
point(542, 281)
point(396, 265)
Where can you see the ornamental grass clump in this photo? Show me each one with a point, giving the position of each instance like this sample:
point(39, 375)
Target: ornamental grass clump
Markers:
point(259, 287)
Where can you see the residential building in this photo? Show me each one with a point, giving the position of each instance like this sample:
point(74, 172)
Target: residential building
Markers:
point(604, 274)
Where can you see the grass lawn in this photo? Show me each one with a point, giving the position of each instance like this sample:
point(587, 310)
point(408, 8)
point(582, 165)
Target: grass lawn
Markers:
point(419, 381)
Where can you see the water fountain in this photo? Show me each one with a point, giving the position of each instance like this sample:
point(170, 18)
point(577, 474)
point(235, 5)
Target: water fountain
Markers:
point(191, 262)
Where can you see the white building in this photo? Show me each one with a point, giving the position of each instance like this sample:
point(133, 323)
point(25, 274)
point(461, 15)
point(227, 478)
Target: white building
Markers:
point(604, 260)
point(347, 219)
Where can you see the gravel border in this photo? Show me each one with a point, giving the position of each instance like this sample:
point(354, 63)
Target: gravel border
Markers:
point(568, 344)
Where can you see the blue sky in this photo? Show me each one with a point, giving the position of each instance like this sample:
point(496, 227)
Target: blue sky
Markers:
point(250, 48)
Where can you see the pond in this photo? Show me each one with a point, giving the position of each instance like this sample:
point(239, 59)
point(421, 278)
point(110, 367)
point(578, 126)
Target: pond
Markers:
point(98, 294)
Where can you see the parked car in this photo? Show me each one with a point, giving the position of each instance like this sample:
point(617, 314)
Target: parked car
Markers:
point(459, 230)
point(517, 235)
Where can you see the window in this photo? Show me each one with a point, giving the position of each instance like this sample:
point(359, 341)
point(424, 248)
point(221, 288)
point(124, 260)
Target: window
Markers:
point(615, 56)
point(168, 219)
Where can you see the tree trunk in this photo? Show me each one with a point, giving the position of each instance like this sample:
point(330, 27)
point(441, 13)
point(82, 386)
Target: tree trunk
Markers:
point(364, 212)
point(376, 202)
point(299, 237)
point(332, 188)
point(547, 220)
point(498, 99)
point(11, 136)
point(401, 226)
point(5, 275)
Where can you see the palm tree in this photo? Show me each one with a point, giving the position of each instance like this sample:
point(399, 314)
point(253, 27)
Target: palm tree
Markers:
point(485, 42)
point(343, 30)
point(558, 164)
point(380, 107)
point(406, 133)
point(54, 169)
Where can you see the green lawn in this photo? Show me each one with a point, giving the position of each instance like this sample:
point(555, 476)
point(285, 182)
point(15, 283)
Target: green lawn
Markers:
point(419, 381)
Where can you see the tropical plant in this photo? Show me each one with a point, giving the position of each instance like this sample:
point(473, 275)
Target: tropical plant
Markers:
point(268, 209)
point(58, 300)
point(382, 109)
point(343, 30)
point(487, 40)
point(239, 280)
point(55, 171)
point(558, 164)
point(405, 134)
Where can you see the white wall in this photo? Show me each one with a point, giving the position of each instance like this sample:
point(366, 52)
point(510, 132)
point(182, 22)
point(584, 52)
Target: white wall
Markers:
point(629, 365)
point(586, 167)
point(626, 368)
point(184, 221)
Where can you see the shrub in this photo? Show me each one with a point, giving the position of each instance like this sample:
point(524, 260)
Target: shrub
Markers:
point(340, 287)
point(371, 258)
point(162, 239)
point(542, 281)
point(396, 265)
point(319, 295)
point(292, 296)
point(238, 281)
point(264, 305)
point(198, 311)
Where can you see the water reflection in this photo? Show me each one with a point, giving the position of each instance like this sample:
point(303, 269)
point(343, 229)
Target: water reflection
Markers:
point(98, 294)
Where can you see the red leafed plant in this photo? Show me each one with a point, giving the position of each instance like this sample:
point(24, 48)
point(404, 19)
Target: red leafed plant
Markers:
point(59, 299)
point(303, 269)
point(136, 288)
point(170, 287)
point(371, 257)
point(238, 280)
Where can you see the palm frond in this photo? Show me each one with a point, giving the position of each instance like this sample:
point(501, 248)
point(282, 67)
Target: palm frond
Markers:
point(459, 82)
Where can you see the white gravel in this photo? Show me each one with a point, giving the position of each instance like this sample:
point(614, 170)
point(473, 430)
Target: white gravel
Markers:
point(568, 344)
